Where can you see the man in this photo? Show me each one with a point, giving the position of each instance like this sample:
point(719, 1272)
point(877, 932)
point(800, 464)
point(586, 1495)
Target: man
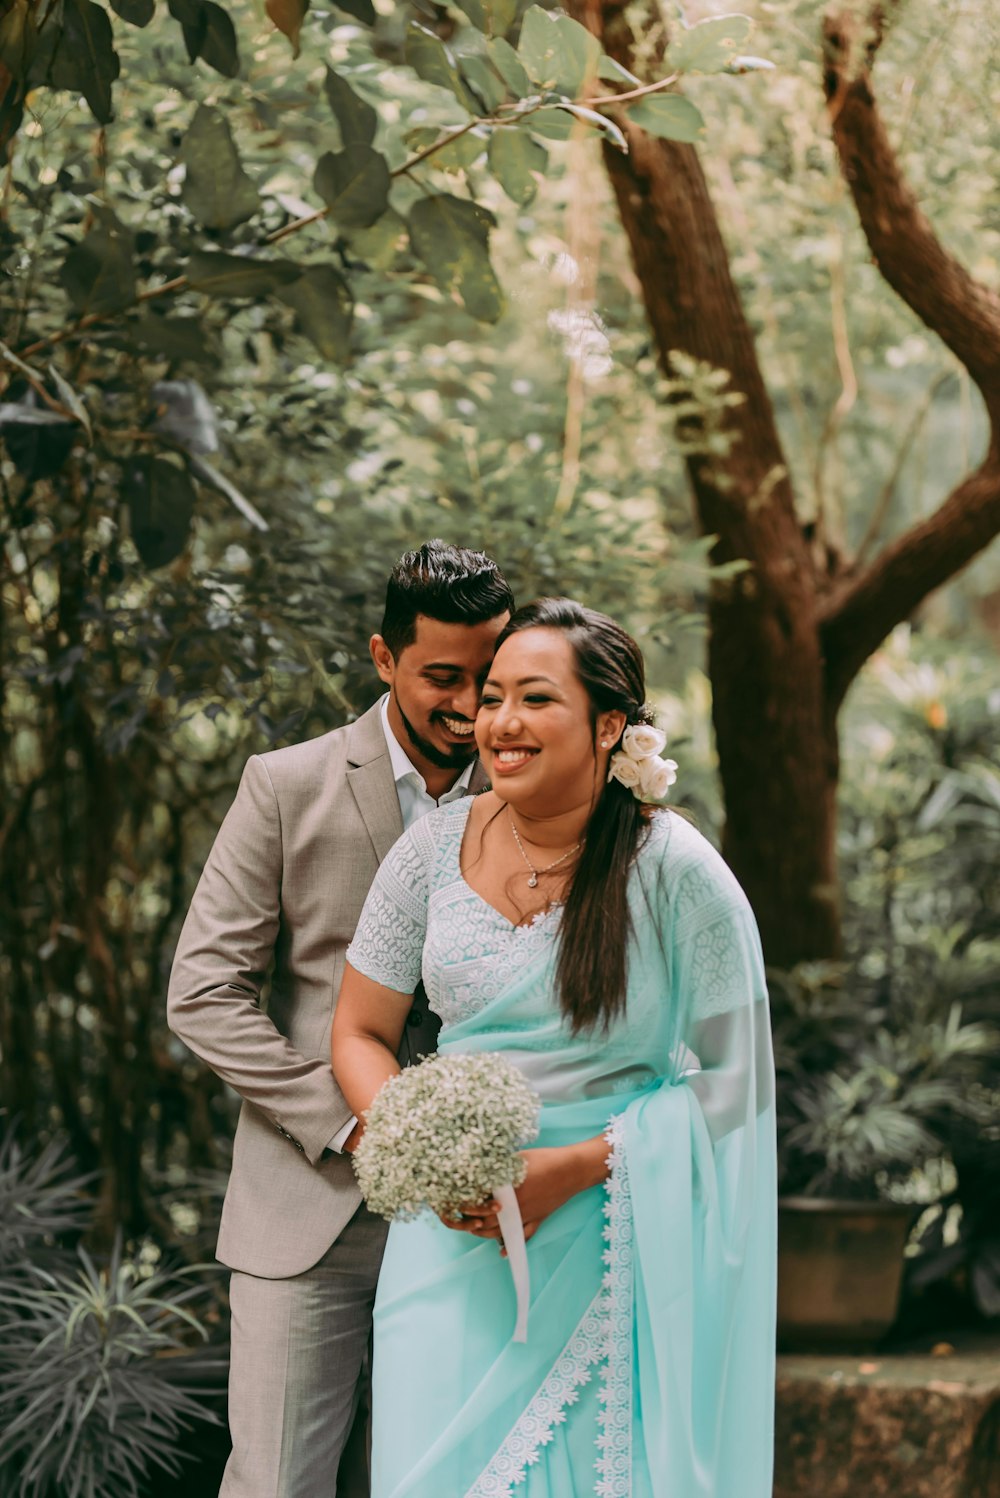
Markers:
point(286, 880)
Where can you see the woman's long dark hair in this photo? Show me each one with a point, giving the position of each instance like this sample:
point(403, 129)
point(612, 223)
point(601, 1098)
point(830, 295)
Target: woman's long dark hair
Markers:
point(592, 969)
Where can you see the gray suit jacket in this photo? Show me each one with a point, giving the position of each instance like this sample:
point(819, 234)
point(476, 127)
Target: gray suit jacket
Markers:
point(287, 877)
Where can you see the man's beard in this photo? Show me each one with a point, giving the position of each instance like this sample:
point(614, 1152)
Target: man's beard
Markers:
point(442, 759)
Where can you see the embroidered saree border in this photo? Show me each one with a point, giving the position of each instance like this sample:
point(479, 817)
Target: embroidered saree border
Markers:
point(603, 1336)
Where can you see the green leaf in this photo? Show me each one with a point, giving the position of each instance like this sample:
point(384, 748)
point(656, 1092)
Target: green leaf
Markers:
point(84, 59)
point(431, 60)
point(553, 122)
point(510, 68)
point(18, 38)
point(354, 184)
point(161, 500)
point(490, 91)
point(204, 471)
point(492, 17)
point(357, 119)
point(514, 160)
point(670, 116)
point(220, 275)
point(361, 10)
point(454, 156)
point(557, 51)
point(216, 188)
point(323, 306)
point(180, 339)
point(208, 34)
point(611, 71)
point(97, 274)
point(71, 400)
point(599, 122)
point(136, 12)
point(708, 46)
point(185, 414)
point(288, 16)
point(380, 247)
point(451, 236)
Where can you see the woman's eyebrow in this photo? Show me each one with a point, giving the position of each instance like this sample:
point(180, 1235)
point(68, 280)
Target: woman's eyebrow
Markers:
point(525, 681)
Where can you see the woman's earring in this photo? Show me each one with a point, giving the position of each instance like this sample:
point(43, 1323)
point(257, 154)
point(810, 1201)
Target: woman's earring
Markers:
point(604, 743)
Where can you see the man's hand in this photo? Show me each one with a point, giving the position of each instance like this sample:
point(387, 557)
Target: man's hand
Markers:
point(554, 1175)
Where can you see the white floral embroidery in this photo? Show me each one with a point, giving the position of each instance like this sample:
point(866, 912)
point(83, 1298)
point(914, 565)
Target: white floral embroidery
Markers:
point(614, 1460)
point(573, 1369)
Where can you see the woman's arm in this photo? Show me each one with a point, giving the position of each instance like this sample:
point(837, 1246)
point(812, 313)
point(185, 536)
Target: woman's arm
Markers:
point(367, 1028)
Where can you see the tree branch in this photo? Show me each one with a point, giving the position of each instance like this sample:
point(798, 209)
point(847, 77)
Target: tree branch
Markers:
point(856, 618)
point(963, 313)
point(860, 611)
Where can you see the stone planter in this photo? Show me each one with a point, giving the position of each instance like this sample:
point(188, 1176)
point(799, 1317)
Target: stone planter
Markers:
point(840, 1268)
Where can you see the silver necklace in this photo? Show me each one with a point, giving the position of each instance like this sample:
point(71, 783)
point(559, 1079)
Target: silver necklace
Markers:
point(534, 873)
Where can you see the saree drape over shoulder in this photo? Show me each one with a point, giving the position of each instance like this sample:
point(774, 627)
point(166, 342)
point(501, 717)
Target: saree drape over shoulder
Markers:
point(649, 1366)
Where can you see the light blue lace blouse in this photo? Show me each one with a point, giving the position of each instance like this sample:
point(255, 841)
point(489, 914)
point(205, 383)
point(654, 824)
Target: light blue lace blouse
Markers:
point(691, 924)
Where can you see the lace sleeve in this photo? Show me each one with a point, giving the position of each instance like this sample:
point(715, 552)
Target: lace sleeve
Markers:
point(715, 939)
point(388, 944)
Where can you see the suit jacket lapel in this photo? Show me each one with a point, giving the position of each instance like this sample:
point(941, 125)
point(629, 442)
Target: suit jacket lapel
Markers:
point(369, 774)
point(370, 777)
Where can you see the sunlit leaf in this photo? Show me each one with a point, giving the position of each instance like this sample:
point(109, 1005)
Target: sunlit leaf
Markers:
point(708, 46)
point(492, 17)
point(599, 122)
point(216, 189)
point(514, 160)
point(354, 184)
point(669, 116)
point(612, 72)
point(357, 119)
point(451, 237)
point(510, 68)
point(161, 500)
point(557, 52)
point(323, 306)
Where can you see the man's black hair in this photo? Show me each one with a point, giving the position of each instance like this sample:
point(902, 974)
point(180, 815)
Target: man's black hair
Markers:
point(449, 583)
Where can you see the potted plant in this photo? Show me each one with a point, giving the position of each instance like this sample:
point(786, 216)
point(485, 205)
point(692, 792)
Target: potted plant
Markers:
point(867, 1100)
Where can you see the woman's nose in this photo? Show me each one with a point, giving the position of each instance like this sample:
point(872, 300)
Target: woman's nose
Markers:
point(506, 722)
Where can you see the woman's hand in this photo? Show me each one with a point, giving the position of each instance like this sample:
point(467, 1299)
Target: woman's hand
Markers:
point(554, 1175)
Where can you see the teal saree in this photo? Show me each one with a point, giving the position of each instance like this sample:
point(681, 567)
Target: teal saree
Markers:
point(648, 1370)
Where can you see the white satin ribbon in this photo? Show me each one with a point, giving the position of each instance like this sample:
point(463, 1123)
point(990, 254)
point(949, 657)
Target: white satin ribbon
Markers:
point(512, 1232)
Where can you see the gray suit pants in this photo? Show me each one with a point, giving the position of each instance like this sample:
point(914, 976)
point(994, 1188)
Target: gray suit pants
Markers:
point(300, 1373)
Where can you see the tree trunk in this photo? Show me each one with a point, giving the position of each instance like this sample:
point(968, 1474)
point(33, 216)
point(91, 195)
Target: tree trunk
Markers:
point(789, 635)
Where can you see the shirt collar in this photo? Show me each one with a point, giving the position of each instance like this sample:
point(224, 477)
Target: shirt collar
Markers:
point(402, 765)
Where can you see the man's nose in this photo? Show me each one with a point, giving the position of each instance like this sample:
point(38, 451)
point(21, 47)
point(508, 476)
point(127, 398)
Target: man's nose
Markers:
point(465, 701)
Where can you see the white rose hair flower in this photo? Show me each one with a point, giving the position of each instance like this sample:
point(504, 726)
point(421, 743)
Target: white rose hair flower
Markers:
point(637, 764)
point(641, 740)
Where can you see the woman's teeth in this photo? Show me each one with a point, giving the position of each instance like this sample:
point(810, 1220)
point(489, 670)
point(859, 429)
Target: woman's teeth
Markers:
point(513, 756)
point(456, 726)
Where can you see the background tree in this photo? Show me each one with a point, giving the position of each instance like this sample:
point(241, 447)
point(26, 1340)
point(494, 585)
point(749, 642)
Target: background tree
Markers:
point(789, 636)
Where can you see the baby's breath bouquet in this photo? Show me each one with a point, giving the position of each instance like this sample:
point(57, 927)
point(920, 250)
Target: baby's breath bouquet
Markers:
point(443, 1133)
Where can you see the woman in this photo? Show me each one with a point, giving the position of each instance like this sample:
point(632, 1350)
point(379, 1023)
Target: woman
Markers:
point(606, 950)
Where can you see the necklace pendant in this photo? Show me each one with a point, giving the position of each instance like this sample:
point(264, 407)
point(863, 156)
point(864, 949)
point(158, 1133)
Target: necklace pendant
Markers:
point(533, 882)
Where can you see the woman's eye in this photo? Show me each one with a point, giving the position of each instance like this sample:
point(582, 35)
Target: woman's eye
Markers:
point(537, 697)
point(488, 701)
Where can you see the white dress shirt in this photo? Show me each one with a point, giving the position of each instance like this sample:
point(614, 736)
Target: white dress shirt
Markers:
point(415, 801)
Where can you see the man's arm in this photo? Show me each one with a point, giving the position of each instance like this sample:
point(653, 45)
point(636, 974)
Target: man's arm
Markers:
point(225, 948)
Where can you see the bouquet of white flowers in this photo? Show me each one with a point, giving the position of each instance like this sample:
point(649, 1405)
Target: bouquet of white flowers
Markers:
point(446, 1132)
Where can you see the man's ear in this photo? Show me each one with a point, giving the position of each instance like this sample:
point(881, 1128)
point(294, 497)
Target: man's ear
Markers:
point(382, 658)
